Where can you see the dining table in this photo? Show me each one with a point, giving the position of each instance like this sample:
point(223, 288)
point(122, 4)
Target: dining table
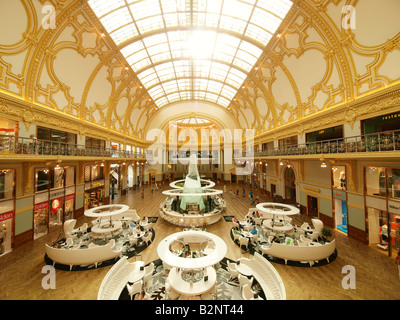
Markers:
point(191, 289)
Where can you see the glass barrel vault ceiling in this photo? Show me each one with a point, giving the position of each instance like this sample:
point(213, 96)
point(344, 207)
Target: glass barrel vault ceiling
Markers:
point(191, 49)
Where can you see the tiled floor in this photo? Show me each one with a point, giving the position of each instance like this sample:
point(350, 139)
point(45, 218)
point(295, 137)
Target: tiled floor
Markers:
point(376, 274)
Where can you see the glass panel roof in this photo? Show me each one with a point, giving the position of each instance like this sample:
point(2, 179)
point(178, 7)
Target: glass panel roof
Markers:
point(191, 49)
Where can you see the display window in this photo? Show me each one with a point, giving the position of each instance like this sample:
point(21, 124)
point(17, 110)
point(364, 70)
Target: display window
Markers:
point(56, 177)
point(69, 207)
point(8, 129)
point(52, 185)
point(56, 212)
point(339, 177)
point(375, 181)
point(394, 183)
point(7, 214)
point(42, 179)
point(94, 198)
point(40, 219)
point(378, 229)
point(69, 176)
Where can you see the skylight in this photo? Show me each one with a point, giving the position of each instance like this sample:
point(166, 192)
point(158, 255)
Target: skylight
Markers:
point(191, 49)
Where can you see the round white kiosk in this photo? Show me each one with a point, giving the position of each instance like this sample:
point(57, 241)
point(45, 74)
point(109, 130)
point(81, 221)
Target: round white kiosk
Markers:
point(191, 255)
point(192, 202)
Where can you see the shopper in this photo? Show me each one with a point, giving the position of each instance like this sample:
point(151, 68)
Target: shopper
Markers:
point(142, 193)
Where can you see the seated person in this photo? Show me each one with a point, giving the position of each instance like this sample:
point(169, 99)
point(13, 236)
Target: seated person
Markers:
point(275, 239)
point(235, 220)
point(254, 230)
point(133, 225)
point(145, 220)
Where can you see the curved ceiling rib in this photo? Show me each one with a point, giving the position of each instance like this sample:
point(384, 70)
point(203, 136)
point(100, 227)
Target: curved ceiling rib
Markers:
point(191, 49)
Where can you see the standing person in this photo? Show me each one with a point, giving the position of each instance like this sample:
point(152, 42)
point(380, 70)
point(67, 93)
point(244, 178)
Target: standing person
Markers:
point(244, 193)
point(142, 193)
point(398, 262)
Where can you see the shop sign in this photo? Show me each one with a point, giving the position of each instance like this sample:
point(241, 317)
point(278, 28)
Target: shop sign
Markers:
point(69, 197)
point(41, 206)
point(70, 190)
point(97, 184)
point(391, 116)
point(394, 207)
point(376, 203)
point(57, 194)
point(6, 216)
point(338, 194)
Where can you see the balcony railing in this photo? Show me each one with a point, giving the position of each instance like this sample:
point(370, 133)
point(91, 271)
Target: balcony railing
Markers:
point(21, 145)
point(382, 141)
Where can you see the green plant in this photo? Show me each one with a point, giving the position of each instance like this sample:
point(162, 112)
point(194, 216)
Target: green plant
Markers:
point(326, 234)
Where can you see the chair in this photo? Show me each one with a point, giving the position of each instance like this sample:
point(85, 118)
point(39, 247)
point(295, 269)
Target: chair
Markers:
point(147, 238)
point(95, 222)
point(258, 221)
point(170, 293)
point(69, 242)
point(318, 224)
point(133, 241)
point(305, 225)
point(304, 239)
point(69, 225)
point(149, 268)
point(210, 295)
point(313, 235)
point(243, 280)
point(135, 288)
point(234, 273)
point(243, 241)
point(148, 227)
point(148, 281)
point(247, 293)
point(236, 225)
point(235, 236)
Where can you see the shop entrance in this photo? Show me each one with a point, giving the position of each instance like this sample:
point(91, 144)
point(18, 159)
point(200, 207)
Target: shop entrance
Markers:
point(340, 209)
point(378, 230)
point(233, 178)
point(312, 206)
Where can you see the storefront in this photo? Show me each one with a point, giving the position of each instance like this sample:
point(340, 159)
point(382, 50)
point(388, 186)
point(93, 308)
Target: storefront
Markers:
point(339, 198)
point(94, 186)
point(388, 122)
point(8, 129)
point(94, 194)
point(54, 198)
point(382, 199)
point(51, 141)
point(7, 209)
point(332, 133)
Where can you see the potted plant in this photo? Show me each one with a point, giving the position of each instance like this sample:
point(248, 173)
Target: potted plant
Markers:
point(326, 234)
